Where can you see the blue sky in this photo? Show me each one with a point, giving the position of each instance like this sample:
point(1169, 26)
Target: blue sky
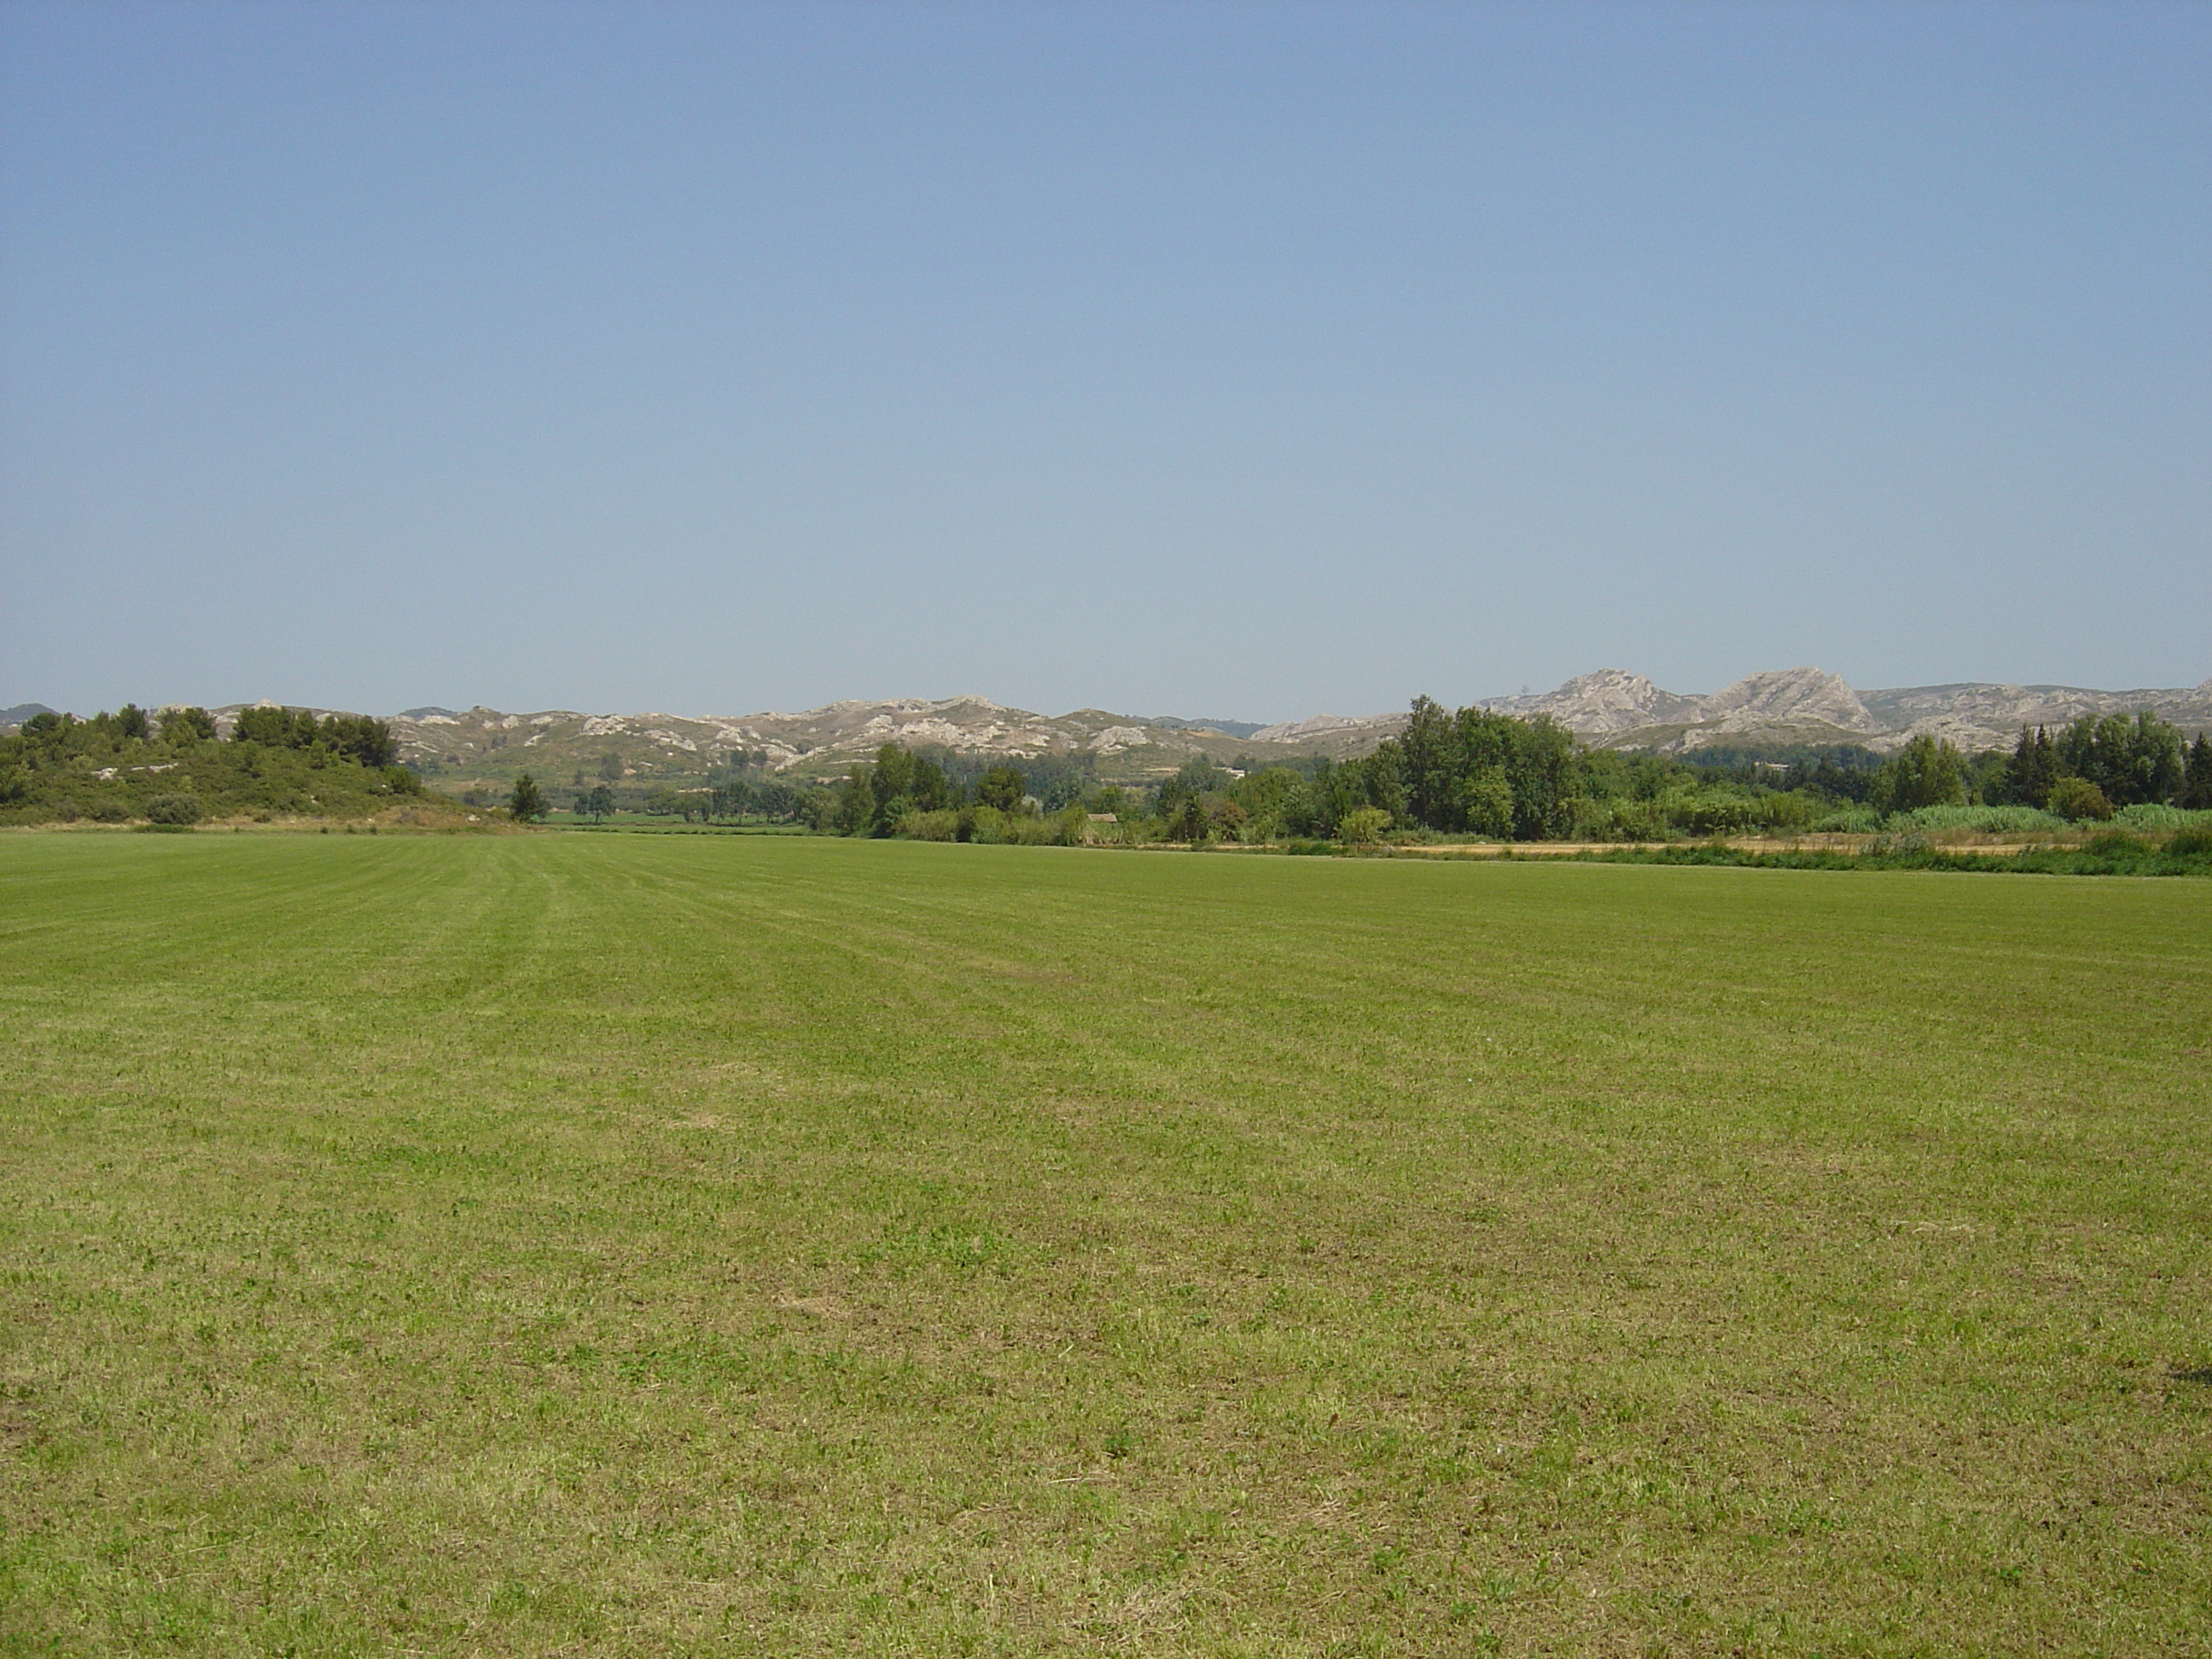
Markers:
point(1247, 361)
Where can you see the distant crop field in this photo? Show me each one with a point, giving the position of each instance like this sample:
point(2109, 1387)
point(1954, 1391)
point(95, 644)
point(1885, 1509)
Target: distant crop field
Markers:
point(669, 1245)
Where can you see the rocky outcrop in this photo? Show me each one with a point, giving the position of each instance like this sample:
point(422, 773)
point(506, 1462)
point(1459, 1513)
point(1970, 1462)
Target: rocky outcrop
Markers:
point(1790, 696)
point(1373, 726)
point(1979, 715)
point(1602, 703)
point(1809, 705)
point(1614, 708)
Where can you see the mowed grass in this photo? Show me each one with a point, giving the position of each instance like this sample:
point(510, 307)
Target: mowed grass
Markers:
point(635, 1245)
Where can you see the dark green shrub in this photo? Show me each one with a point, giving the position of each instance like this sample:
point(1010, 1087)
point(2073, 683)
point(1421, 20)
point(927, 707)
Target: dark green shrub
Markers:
point(2079, 799)
point(175, 808)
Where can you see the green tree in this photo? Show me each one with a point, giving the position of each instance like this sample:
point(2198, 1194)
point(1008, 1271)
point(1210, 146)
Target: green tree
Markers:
point(268, 726)
point(1432, 768)
point(186, 725)
point(1927, 772)
point(361, 739)
point(276, 728)
point(1485, 803)
point(855, 803)
point(1002, 787)
point(527, 803)
point(904, 783)
point(1382, 776)
point(1226, 817)
point(2033, 770)
point(1541, 761)
point(1481, 771)
point(1334, 794)
point(2197, 785)
point(932, 791)
point(1197, 778)
point(2130, 760)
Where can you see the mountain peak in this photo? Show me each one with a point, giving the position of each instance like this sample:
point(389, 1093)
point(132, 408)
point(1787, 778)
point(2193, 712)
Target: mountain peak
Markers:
point(1602, 702)
point(1790, 696)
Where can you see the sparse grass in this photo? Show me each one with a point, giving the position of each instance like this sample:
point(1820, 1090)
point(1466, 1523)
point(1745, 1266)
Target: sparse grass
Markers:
point(654, 1245)
point(1977, 820)
point(2110, 853)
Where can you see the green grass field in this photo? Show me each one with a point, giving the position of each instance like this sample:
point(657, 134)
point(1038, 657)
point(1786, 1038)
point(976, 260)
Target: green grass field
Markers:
point(677, 1245)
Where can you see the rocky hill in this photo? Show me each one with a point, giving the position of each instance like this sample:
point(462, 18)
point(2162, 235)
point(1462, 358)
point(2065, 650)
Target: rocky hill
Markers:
point(1807, 705)
point(460, 746)
point(1620, 710)
point(1610, 706)
point(1974, 714)
point(1605, 704)
point(1332, 729)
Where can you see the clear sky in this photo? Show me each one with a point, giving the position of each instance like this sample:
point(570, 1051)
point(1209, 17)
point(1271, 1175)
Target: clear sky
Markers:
point(1242, 361)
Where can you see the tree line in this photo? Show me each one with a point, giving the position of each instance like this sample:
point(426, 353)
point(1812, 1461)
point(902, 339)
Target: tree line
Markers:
point(2100, 762)
point(1470, 772)
point(1478, 772)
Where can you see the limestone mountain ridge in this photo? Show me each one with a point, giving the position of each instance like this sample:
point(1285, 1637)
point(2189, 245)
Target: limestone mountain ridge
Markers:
point(1809, 705)
point(1609, 706)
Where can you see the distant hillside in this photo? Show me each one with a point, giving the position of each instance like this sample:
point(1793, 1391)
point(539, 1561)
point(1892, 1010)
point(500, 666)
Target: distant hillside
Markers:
point(1611, 707)
point(11, 719)
point(1232, 728)
point(1974, 714)
point(488, 745)
point(1621, 710)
